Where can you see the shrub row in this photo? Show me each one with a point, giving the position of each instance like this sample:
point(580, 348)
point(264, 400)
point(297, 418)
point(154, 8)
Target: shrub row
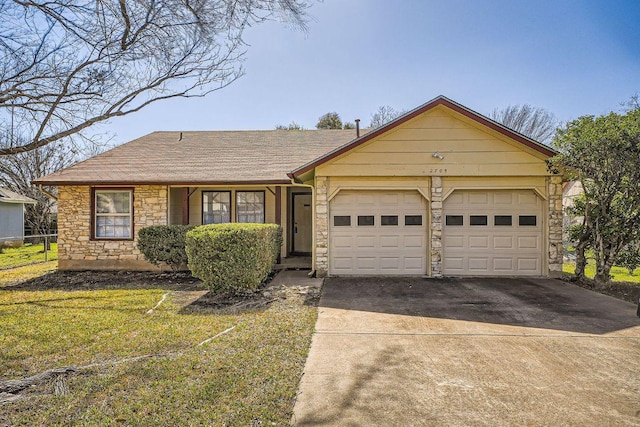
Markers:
point(228, 258)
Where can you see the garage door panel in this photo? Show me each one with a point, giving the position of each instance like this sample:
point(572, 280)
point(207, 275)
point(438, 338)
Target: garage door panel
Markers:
point(390, 263)
point(342, 263)
point(393, 248)
point(503, 242)
point(414, 242)
point(342, 241)
point(479, 242)
point(528, 264)
point(478, 198)
point(503, 198)
point(478, 264)
point(504, 249)
point(365, 242)
point(365, 263)
point(454, 241)
point(389, 242)
point(503, 264)
point(415, 264)
point(528, 242)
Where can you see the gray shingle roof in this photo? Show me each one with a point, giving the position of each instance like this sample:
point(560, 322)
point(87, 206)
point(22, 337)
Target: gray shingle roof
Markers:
point(9, 196)
point(204, 157)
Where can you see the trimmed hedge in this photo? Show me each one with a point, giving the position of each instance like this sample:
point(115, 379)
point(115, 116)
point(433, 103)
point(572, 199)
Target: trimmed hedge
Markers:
point(233, 258)
point(165, 243)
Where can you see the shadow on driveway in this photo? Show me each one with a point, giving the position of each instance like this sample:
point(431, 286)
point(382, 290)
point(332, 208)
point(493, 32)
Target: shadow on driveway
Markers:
point(531, 303)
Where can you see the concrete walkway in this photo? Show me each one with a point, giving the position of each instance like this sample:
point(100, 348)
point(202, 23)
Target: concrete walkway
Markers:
point(495, 352)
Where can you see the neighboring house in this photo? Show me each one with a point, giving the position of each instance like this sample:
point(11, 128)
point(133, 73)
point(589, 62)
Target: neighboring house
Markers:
point(570, 191)
point(441, 190)
point(12, 216)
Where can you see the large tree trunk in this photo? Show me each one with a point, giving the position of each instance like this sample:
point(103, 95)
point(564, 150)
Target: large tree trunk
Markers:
point(604, 262)
point(581, 260)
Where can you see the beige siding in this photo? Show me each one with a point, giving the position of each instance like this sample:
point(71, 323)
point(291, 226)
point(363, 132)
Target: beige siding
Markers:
point(537, 183)
point(341, 183)
point(175, 206)
point(469, 149)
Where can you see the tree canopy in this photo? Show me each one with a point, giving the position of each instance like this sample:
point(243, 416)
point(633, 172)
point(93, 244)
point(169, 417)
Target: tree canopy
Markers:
point(603, 154)
point(65, 66)
point(534, 122)
point(329, 121)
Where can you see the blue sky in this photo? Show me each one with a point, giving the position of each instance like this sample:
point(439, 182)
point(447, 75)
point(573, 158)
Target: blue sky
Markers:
point(569, 57)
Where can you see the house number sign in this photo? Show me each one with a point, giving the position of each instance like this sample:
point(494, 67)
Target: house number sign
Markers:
point(438, 170)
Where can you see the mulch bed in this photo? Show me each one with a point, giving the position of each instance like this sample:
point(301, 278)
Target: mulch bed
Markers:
point(626, 291)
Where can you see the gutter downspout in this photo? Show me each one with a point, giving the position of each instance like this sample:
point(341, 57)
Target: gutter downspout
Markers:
point(47, 193)
point(296, 183)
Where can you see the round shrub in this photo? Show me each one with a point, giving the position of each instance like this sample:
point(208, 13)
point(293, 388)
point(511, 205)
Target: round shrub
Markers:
point(233, 258)
point(164, 244)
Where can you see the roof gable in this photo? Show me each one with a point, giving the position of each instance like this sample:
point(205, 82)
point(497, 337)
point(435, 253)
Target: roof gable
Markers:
point(440, 101)
point(9, 196)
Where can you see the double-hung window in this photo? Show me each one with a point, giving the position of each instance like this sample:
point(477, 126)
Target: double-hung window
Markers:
point(216, 207)
point(250, 206)
point(113, 214)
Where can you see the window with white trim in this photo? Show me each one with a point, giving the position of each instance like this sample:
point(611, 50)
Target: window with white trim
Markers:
point(113, 214)
point(250, 206)
point(216, 207)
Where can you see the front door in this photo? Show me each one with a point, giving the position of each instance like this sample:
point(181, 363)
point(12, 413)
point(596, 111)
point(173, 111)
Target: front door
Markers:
point(302, 223)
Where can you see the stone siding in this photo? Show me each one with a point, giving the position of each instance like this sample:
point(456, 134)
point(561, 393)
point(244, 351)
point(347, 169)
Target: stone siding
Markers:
point(555, 226)
point(436, 226)
point(322, 228)
point(76, 249)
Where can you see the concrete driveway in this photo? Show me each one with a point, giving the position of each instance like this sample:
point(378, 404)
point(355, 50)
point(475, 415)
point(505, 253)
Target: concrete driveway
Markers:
point(453, 352)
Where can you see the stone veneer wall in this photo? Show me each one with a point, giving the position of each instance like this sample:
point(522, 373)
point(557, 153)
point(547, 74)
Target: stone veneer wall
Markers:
point(76, 250)
point(322, 228)
point(555, 226)
point(436, 226)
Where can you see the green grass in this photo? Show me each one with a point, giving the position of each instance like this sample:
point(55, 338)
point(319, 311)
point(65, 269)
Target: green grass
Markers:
point(25, 255)
point(248, 376)
point(620, 274)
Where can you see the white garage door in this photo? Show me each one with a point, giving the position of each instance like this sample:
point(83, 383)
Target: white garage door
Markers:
point(378, 233)
point(493, 233)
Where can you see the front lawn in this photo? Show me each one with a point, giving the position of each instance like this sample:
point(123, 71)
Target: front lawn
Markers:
point(246, 376)
point(620, 274)
point(622, 286)
point(27, 254)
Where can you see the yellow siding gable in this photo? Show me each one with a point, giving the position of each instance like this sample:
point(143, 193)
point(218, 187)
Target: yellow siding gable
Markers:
point(468, 147)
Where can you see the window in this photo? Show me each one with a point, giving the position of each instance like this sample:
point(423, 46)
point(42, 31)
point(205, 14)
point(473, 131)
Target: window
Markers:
point(502, 220)
point(477, 220)
point(454, 220)
point(366, 220)
point(216, 207)
point(250, 206)
point(113, 214)
point(413, 220)
point(527, 220)
point(389, 220)
point(341, 221)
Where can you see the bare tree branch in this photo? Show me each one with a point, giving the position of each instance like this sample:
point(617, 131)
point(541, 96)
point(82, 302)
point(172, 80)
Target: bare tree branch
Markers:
point(65, 66)
point(534, 122)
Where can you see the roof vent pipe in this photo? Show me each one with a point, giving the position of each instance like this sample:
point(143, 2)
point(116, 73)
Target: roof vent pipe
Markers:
point(180, 139)
point(357, 128)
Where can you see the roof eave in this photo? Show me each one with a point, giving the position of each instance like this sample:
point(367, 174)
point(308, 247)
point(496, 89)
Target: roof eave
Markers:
point(62, 183)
